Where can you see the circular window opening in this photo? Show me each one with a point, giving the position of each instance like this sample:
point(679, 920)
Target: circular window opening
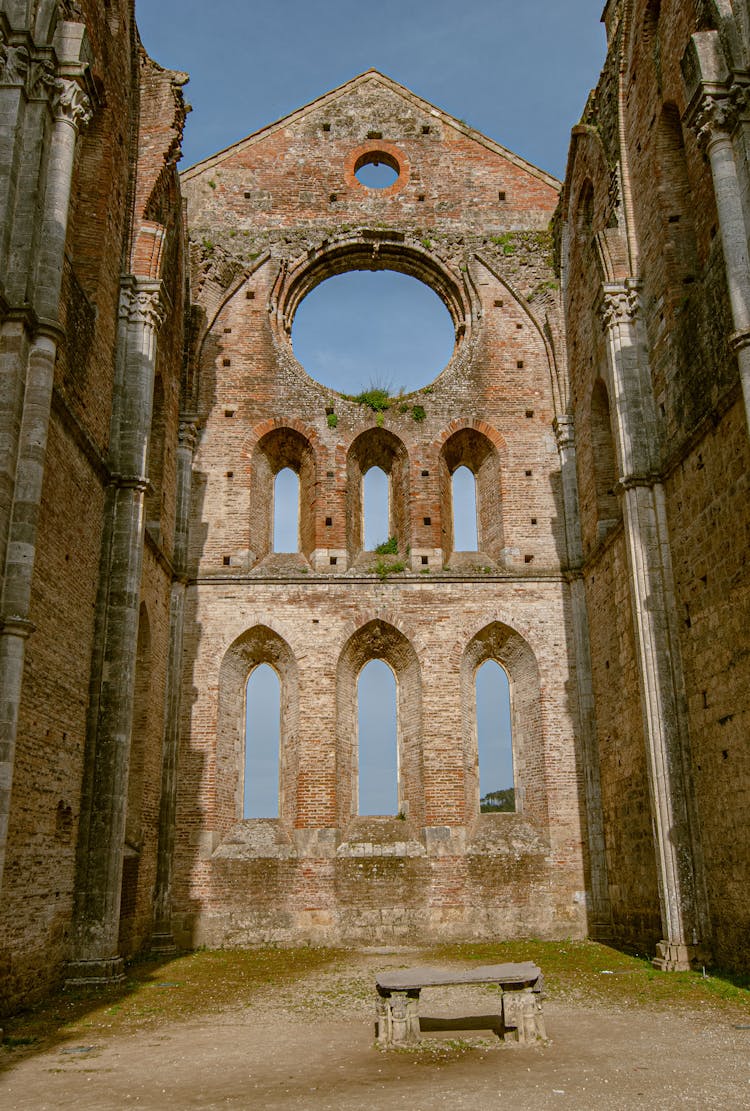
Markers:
point(373, 329)
point(376, 169)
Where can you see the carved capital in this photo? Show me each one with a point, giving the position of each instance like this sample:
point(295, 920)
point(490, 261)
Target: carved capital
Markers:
point(717, 114)
point(42, 81)
point(142, 306)
point(70, 103)
point(564, 431)
point(619, 306)
point(188, 435)
point(14, 64)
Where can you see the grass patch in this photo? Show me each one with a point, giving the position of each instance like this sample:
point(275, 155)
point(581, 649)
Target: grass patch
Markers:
point(201, 983)
point(383, 568)
point(376, 398)
point(585, 969)
point(388, 547)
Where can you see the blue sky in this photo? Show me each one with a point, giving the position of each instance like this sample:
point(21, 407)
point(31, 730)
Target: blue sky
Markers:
point(518, 70)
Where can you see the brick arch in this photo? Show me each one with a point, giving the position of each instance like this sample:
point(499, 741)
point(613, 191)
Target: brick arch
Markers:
point(270, 447)
point(478, 446)
point(379, 639)
point(500, 641)
point(377, 447)
point(258, 644)
point(370, 251)
point(604, 244)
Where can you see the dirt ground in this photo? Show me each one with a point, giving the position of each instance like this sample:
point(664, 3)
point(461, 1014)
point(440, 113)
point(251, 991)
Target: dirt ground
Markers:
point(307, 1042)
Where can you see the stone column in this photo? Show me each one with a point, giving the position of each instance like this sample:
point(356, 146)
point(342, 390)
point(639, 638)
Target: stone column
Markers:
point(162, 939)
point(599, 913)
point(94, 955)
point(657, 649)
point(25, 442)
point(718, 105)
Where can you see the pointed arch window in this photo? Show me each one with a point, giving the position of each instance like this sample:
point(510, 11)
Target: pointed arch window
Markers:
point(378, 760)
point(286, 511)
point(262, 743)
point(376, 509)
point(494, 739)
point(464, 493)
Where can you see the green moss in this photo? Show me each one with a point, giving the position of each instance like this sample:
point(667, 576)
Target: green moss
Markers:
point(417, 413)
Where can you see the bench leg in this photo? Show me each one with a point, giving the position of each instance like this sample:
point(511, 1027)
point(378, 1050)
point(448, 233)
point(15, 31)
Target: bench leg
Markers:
point(522, 1016)
point(397, 1018)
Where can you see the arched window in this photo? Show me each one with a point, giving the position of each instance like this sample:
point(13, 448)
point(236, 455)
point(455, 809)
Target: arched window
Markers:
point(464, 492)
point(375, 508)
point(494, 739)
point(282, 494)
point(262, 729)
point(470, 496)
point(377, 499)
point(286, 511)
point(155, 464)
point(678, 232)
point(378, 790)
point(603, 451)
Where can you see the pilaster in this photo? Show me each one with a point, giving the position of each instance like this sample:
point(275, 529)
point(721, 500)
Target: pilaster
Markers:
point(104, 799)
point(162, 939)
point(719, 114)
point(657, 648)
point(28, 348)
point(600, 917)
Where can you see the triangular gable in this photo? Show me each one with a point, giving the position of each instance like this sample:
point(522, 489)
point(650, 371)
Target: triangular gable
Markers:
point(394, 87)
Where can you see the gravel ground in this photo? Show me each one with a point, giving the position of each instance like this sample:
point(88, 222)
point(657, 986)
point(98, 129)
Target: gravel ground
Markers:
point(310, 1045)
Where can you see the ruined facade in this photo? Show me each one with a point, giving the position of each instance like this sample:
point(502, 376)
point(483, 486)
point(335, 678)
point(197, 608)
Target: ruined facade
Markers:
point(598, 391)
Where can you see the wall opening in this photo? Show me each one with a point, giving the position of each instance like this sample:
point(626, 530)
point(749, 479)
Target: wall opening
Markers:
point(378, 771)
point(375, 508)
point(377, 169)
point(678, 230)
point(240, 713)
point(516, 728)
point(379, 654)
point(286, 511)
point(603, 451)
point(377, 492)
point(368, 328)
point(464, 493)
point(494, 739)
point(290, 497)
point(262, 743)
point(471, 451)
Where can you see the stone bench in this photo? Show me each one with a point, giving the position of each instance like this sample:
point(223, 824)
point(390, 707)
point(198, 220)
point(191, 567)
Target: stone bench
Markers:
point(521, 984)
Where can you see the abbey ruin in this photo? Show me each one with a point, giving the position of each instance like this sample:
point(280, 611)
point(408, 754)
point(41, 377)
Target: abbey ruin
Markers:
point(599, 392)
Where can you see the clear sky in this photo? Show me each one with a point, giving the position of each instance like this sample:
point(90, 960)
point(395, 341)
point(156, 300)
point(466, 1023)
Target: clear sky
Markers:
point(517, 70)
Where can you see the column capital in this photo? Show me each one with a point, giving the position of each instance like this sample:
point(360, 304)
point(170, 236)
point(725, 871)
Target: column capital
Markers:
point(620, 303)
point(564, 429)
point(188, 433)
point(15, 62)
point(141, 303)
point(70, 103)
point(716, 113)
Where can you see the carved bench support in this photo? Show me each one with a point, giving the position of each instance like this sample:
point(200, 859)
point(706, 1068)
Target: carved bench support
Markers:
point(397, 1008)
